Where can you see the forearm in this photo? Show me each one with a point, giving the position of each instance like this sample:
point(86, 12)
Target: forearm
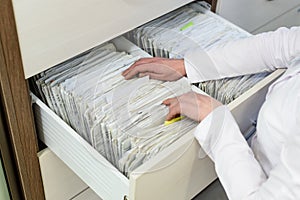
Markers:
point(239, 172)
point(263, 52)
point(236, 166)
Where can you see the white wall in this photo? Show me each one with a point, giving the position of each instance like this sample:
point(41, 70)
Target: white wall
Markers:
point(3, 187)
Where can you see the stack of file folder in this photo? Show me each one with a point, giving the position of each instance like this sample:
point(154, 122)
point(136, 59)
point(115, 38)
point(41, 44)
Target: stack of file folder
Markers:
point(123, 120)
point(189, 27)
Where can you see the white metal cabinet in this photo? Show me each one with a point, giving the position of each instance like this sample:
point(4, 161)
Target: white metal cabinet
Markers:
point(252, 14)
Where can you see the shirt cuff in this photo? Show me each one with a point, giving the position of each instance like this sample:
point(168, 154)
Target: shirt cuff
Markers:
point(199, 66)
point(216, 130)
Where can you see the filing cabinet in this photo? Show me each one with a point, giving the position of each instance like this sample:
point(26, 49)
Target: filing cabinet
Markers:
point(52, 31)
point(175, 173)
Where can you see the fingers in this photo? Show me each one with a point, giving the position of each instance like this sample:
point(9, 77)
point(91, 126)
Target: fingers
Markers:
point(185, 104)
point(174, 111)
point(157, 68)
point(143, 68)
point(137, 63)
point(151, 75)
point(174, 108)
point(169, 101)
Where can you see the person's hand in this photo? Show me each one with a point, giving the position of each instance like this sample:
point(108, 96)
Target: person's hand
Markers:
point(157, 68)
point(193, 105)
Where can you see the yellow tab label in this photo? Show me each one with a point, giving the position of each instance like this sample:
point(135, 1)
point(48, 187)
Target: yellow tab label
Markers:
point(174, 120)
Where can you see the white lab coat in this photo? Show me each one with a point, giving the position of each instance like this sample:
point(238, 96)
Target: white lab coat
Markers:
point(270, 169)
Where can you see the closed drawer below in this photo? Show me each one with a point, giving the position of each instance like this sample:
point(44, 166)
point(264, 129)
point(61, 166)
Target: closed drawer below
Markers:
point(60, 182)
point(87, 194)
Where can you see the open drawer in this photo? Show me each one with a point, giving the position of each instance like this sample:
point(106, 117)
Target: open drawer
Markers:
point(175, 173)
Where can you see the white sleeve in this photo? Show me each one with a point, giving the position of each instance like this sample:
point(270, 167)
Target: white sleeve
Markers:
point(263, 52)
point(239, 172)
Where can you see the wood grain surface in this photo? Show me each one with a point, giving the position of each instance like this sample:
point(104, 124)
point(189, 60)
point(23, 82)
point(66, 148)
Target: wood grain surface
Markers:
point(17, 107)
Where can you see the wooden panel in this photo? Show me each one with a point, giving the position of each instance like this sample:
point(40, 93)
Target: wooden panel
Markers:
point(51, 31)
point(289, 19)
point(213, 4)
point(7, 158)
point(17, 106)
point(60, 182)
point(251, 14)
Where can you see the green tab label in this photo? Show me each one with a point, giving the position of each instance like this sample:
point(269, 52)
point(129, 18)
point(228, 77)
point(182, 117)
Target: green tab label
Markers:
point(187, 26)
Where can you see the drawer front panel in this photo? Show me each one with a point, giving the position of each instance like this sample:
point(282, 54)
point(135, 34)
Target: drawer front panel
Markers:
point(292, 18)
point(177, 173)
point(51, 31)
point(252, 14)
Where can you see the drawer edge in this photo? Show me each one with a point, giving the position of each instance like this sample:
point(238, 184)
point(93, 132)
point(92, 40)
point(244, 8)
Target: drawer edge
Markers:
point(180, 171)
point(78, 155)
point(246, 107)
